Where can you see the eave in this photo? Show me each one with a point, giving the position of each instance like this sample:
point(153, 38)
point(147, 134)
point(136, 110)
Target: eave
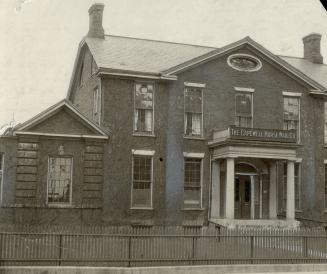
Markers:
point(135, 74)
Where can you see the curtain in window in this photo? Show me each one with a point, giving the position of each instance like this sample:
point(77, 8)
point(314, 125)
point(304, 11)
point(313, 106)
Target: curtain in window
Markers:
point(148, 120)
point(196, 124)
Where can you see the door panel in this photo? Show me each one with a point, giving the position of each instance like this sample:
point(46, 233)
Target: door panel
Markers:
point(242, 197)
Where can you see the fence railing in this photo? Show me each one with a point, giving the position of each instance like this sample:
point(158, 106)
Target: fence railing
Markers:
point(126, 246)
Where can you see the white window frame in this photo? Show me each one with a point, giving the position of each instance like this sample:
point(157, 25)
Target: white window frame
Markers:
point(144, 153)
point(97, 105)
point(200, 156)
point(2, 160)
point(298, 97)
point(51, 204)
point(248, 91)
point(200, 86)
point(136, 133)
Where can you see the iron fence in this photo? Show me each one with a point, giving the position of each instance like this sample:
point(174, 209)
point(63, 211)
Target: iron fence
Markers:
point(172, 247)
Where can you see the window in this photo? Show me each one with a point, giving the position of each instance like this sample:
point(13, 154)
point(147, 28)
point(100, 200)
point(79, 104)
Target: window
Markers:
point(192, 182)
point(143, 113)
point(292, 114)
point(193, 111)
point(297, 185)
point(60, 180)
point(243, 109)
point(142, 181)
point(96, 113)
point(1, 175)
point(325, 135)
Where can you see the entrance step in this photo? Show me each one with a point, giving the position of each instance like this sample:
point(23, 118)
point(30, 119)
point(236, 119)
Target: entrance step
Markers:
point(235, 223)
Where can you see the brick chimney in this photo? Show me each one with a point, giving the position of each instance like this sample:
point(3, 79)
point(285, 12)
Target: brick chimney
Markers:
point(311, 48)
point(95, 21)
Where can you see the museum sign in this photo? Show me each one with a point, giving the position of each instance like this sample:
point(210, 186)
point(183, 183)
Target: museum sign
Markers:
point(264, 135)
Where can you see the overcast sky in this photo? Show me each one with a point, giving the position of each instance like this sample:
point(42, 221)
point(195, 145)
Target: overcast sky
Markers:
point(39, 38)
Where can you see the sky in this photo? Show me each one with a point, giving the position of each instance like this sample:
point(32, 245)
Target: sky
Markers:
point(39, 38)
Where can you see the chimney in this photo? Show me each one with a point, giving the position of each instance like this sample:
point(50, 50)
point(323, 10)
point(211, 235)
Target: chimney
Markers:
point(95, 21)
point(311, 48)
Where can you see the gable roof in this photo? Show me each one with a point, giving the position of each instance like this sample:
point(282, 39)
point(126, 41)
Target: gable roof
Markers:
point(118, 55)
point(26, 128)
point(141, 55)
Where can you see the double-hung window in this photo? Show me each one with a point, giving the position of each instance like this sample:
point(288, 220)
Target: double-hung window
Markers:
point(325, 122)
point(143, 112)
point(297, 185)
point(142, 181)
point(292, 114)
point(243, 109)
point(60, 180)
point(192, 182)
point(193, 111)
point(96, 113)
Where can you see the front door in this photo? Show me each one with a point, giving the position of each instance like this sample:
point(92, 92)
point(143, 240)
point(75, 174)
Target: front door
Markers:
point(242, 197)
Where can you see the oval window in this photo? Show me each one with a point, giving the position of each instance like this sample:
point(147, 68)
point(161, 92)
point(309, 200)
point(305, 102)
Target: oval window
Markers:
point(244, 62)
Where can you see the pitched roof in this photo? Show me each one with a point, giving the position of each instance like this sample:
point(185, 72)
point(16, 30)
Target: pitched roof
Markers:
point(141, 55)
point(317, 72)
point(159, 57)
point(95, 130)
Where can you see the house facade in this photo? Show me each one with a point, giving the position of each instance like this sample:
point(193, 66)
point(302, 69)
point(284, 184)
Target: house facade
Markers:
point(161, 133)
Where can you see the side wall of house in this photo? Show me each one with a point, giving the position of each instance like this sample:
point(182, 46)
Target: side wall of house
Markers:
point(8, 148)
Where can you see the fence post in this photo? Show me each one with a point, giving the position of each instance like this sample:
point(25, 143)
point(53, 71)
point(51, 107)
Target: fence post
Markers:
point(193, 249)
point(252, 248)
point(60, 249)
point(129, 250)
point(305, 246)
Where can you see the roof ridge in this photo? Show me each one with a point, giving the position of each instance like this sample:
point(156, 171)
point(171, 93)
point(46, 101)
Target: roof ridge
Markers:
point(161, 41)
point(295, 57)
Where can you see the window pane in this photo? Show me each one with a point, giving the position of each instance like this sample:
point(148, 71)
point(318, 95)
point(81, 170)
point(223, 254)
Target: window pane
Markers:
point(192, 182)
point(193, 100)
point(243, 104)
point(59, 183)
point(143, 96)
point(143, 114)
point(142, 176)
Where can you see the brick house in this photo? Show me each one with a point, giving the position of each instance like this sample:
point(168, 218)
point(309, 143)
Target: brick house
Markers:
point(155, 133)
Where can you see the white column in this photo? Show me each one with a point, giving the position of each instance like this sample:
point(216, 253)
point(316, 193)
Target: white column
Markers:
point(273, 190)
point(230, 183)
point(252, 196)
point(290, 199)
point(215, 189)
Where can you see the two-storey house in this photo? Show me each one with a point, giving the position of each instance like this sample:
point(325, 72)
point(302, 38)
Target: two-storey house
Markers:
point(162, 133)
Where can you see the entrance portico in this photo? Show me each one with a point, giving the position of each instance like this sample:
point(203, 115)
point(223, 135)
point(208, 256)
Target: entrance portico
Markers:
point(244, 182)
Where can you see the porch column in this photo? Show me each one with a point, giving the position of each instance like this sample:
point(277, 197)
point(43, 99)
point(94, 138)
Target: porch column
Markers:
point(290, 199)
point(230, 182)
point(215, 189)
point(273, 190)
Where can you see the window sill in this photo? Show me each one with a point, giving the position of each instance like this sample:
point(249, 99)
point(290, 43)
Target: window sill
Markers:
point(141, 208)
point(143, 135)
point(194, 137)
point(193, 209)
point(60, 205)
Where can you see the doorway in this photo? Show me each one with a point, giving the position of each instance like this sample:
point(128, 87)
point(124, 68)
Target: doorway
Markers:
point(243, 195)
